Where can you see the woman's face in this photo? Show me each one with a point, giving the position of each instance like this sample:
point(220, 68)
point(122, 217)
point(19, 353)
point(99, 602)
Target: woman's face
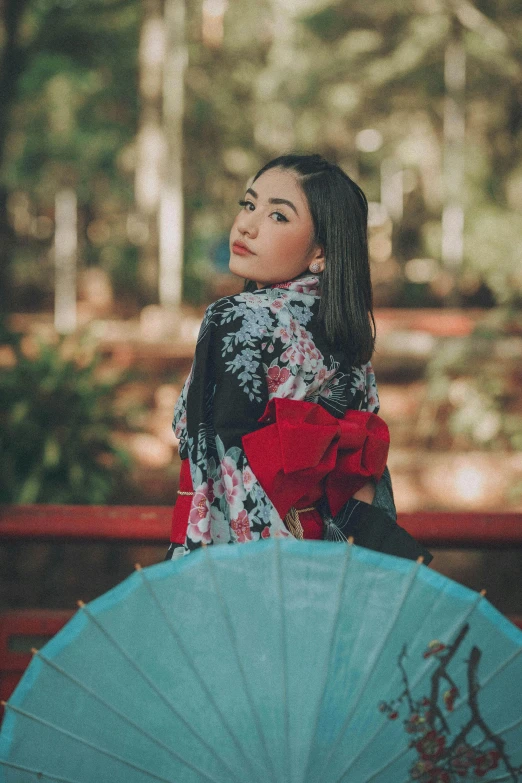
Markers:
point(271, 240)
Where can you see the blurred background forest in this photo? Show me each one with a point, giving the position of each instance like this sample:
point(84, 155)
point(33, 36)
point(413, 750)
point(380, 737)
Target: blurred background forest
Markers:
point(128, 129)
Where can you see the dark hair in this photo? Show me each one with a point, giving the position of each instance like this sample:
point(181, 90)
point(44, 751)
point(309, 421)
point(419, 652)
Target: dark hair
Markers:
point(339, 212)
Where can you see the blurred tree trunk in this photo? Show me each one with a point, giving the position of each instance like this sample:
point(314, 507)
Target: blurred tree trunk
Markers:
point(65, 258)
point(454, 152)
point(159, 187)
point(171, 200)
point(150, 140)
point(274, 105)
point(11, 67)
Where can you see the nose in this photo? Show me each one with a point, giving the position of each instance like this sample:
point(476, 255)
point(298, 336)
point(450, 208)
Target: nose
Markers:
point(246, 223)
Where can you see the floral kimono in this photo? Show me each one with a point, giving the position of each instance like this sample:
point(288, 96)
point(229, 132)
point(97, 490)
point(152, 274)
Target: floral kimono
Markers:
point(251, 348)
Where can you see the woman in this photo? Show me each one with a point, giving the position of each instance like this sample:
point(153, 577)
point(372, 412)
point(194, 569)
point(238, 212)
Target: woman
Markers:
point(301, 334)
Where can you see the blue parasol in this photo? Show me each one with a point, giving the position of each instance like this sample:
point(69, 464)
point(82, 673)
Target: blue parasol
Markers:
point(280, 661)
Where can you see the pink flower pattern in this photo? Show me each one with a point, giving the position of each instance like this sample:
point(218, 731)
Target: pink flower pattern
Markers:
point(230, 486)
point(283, 333)
point(302, 353)
point(248, 478)
point(181, 426)
point(199, 516)
point(275, 377)
point(241, 527)
point(278, 304)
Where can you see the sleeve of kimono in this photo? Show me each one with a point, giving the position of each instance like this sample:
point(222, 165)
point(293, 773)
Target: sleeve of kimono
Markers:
point(226, 397)
point(383, 498)
point(240, 393)
point(228, 391)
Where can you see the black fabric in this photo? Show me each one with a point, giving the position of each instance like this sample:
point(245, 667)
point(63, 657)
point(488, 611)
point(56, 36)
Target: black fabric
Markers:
point(373, 528)
point(383, 497)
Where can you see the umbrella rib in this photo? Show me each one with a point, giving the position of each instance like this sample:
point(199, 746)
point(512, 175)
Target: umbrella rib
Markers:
point(350, 715)
point(124, 717)
point(284, 651)
point(86, 742)
point(500, 668)
point(36, 772)
point(342, 581)
point(230, 629)
point(153, 686)
point(335, 533)
point(384, 723)
point(194, 669)
point(468, 614)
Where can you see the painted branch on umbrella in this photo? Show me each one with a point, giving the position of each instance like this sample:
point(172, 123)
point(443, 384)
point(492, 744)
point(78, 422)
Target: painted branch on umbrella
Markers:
point(441, 757)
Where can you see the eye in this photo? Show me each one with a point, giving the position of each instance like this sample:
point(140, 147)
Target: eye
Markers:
point(279, 217)
point(246, 205)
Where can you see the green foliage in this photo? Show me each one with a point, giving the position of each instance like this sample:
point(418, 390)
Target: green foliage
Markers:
point(474, 385)
point(76, 103)
point(491, 235)
point(343, 67)
point(56, 419)
point(307, 75)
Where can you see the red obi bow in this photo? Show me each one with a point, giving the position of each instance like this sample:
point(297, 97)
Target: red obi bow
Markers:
point(306, 451)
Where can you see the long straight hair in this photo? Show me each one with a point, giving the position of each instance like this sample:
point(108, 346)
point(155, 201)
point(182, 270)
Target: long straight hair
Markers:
point(339, 211)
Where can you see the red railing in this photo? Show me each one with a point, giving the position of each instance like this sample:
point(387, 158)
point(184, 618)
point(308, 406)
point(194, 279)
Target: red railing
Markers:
point(152, 524)
point(91, 523)
point(22, 629)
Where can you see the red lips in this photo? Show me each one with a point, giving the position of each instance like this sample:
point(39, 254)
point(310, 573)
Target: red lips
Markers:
point(240, 249)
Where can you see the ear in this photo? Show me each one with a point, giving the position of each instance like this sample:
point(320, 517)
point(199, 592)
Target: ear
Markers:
point(317, 261)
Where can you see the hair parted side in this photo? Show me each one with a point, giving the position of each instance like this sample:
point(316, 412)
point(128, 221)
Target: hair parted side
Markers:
point(339, 211)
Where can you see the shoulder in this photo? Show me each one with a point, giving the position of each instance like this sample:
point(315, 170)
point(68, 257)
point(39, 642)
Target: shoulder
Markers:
point(247, 307)
point(243, 301)
point(244, 320)
point(259, 314)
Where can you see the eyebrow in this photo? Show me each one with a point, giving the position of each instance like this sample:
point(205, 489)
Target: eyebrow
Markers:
point(275, 200)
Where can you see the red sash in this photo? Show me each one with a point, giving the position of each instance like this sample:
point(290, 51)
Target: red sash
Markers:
point(180, 514)
point(305, 452)
point(301, 454)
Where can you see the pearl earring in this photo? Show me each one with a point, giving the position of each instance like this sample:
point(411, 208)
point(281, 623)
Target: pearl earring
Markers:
point(315, 267)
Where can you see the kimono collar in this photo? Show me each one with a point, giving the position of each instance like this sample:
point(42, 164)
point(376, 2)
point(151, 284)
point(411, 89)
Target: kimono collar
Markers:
point(302, 285)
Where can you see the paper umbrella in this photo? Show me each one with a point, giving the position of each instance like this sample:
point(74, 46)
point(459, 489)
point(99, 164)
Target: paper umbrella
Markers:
point(277, 661)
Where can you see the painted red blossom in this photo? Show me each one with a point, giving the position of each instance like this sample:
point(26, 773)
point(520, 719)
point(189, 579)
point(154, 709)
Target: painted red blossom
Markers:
point(485, 762)
point(463, 760)
point(431, 746)
point(449, 698)
point(415, 723)
point(434, 648)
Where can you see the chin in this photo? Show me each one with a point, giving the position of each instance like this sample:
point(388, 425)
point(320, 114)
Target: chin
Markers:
point(236, 267)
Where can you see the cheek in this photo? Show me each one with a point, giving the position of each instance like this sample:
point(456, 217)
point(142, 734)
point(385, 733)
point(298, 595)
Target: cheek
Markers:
point(296, 246)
